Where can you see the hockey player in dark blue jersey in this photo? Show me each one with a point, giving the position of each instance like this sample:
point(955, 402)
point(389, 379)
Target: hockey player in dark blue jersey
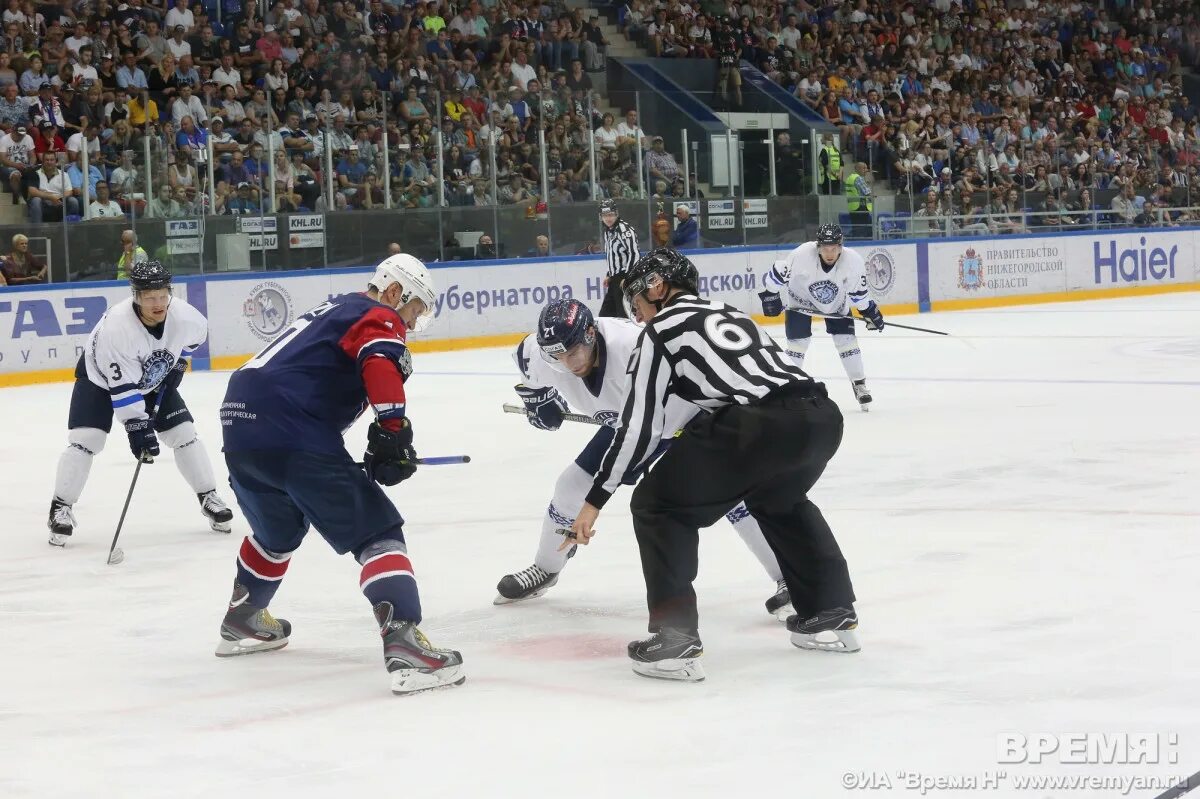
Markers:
point(283, 418)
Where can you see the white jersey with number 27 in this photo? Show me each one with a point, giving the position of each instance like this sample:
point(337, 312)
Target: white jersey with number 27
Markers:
point(601, 394)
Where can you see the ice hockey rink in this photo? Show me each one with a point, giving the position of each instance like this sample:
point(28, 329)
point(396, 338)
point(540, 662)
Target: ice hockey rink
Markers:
point(1019, 510)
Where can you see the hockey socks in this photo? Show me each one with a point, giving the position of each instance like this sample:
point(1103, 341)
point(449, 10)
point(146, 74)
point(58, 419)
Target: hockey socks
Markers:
point(387, 576)
point(260, 571)
point(847, 347)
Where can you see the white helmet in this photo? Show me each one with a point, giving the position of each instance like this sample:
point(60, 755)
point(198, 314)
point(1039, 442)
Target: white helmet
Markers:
point(414, 279)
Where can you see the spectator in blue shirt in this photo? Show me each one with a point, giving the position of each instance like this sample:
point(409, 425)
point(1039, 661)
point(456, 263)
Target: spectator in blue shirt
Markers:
point(243, 202)
point(686, 235)
point(94, 176)
point(130, 75)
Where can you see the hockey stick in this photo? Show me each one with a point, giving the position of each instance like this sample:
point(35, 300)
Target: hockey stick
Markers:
point(116, 555)
point(891, 324)
point(441, 460)
point(582, 418)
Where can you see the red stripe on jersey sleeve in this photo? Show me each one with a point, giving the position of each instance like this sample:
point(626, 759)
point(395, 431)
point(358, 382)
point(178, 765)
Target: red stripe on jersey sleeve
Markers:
point(380, 375)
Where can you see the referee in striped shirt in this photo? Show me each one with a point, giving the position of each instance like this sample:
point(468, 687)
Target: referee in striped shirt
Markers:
point(621, 250)
point(770, 431)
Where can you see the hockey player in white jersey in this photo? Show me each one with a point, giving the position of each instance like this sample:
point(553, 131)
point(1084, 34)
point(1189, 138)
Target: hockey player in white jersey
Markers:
point(823, 278)
point(579, 362)
point(133, 358)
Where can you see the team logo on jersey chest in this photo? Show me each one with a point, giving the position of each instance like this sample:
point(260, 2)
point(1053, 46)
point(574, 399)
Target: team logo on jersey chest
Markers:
point(155, 369)
point(607, 418)
point(268, 310)
point(824, 291)
point(881, 271)
point(970, 270)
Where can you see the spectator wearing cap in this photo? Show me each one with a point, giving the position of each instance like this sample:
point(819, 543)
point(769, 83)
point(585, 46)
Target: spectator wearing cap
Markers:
point(130, 75)
point(47, 108)
point(14, 110)
point(106, 75)
point(16, 149)
point(242, 202)
point(48, 140)
point(518, 105)
point(317, 136)
point(51, 193)
point(660, 164)
point(454, 107)
point(223, 144)
point(268, 46)
point(177, 45)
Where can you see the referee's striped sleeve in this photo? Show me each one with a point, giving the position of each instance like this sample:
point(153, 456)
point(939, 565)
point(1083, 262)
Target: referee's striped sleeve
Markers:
point(622, 249)
point(643, 419)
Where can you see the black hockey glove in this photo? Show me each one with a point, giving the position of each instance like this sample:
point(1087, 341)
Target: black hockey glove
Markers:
point(544, 408)
point(873, 316)
point(142, 441)
point(772, 303)
point(390, 457)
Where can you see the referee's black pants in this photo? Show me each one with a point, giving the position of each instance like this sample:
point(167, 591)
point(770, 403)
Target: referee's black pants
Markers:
point(614, 298)
point(769, 454)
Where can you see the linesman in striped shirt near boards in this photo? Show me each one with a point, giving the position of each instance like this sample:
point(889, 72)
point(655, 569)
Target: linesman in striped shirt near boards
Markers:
point(769, 432)
point(621, 251)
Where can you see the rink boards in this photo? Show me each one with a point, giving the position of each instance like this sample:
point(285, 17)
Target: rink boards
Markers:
point(492, 303)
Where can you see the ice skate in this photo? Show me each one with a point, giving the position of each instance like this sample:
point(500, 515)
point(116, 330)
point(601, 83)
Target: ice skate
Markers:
point(61, 522)
point(669, 654)
point(246, 630)
point(217, 512)
point(829, 631)
point(414, 663)
point(522, 585)
point(780, 605)
point(862, 394)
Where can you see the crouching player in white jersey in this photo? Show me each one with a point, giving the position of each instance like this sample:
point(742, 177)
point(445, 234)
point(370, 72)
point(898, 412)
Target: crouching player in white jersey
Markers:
point(823, 278)
point(578, 361)
point(132, 365)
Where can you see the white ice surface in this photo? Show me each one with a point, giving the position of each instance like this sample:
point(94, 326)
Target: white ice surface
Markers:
point(1019, 512)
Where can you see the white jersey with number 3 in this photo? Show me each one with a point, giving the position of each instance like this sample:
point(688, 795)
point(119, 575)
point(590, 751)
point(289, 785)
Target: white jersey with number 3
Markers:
point(807, 287)
point(125, 359)
point(601, 394)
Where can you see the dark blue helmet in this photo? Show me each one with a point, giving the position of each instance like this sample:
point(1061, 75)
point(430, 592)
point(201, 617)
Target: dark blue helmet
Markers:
point(829, 234)
point(149, 275)
point(563, 324)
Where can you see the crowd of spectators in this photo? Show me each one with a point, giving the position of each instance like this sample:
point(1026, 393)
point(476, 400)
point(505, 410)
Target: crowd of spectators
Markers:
point(967, 100)
point(284, 91)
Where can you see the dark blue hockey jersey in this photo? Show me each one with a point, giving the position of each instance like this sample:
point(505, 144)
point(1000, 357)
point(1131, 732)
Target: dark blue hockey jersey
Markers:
point(308, 386)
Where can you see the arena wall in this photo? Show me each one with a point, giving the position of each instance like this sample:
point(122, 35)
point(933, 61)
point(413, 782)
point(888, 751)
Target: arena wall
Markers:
point(490, 303)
